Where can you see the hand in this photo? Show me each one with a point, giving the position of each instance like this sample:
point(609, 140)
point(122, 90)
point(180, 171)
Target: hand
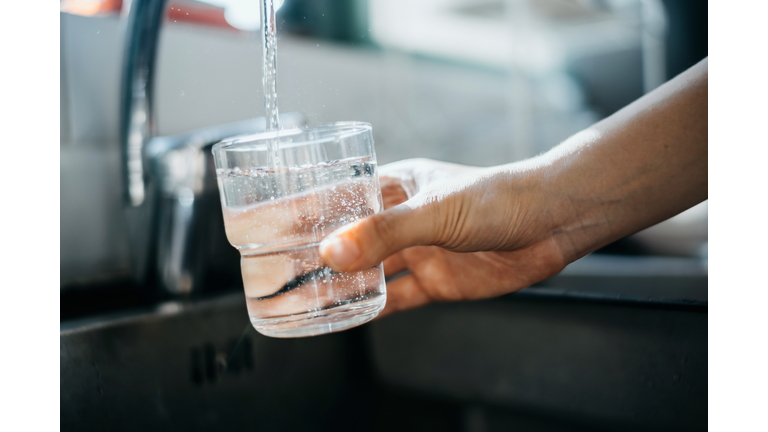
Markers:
point(470, 233)
point(455, 210)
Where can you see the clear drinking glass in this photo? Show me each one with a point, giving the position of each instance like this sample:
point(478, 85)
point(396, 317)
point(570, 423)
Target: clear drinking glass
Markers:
point(276, 215)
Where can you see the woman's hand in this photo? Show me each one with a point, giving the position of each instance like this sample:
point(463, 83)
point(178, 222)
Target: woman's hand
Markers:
point(471, 233)
point(455, 210)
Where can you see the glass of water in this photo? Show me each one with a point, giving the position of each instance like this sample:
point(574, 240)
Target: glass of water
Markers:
point(282, 192)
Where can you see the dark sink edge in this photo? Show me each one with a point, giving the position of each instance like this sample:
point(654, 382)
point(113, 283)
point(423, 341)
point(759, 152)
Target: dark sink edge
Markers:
point(155, 312)
point(552, 293)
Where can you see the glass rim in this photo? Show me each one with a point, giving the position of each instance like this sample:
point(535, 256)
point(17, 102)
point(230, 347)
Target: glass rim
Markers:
point(258, 140)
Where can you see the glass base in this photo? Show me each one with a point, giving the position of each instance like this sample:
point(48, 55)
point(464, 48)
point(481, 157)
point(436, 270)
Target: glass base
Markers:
point(321, 322)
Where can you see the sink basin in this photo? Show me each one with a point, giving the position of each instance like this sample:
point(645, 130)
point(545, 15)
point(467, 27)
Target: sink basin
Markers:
point(602, 364)
point(587, 351)
point(165, 369)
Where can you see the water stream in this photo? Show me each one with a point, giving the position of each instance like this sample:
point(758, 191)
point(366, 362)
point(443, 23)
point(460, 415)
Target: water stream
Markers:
point(269, 67)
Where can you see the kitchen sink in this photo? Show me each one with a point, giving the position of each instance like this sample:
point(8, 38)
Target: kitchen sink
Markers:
point(592, 350)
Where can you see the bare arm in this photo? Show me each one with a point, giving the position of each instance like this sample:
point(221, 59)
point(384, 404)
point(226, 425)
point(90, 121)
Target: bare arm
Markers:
point(517, 224)
point(636, 168)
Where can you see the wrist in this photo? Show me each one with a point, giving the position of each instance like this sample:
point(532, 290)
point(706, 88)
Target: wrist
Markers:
point(567, 203)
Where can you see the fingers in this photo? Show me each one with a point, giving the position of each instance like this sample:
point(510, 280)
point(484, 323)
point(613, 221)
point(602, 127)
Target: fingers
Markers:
point(404, 293)
point(392, 192)
point(394, 265)
point(368, 242)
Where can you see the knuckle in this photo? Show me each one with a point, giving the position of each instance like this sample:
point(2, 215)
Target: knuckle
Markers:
point(384, 228)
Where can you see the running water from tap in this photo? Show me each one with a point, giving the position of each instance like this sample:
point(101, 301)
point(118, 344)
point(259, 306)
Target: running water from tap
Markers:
point(277, 218)
point(280, 202)
point(269, 67)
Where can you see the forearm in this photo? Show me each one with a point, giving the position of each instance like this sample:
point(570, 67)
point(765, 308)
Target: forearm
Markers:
point(636, 168)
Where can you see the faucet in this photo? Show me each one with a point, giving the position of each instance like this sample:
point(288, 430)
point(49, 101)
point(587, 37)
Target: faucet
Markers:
point(171, 199)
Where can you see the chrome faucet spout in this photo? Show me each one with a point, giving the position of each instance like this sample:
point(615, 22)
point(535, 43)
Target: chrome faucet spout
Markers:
point(176, 229)
point(137, 121)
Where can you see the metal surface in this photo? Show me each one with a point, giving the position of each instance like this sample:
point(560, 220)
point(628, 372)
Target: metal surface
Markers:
point(137, 123)
point(137, 92)
point(602, 365)
point(523, 362)
point(191, 242)
point(634, 277)
point(164, 370)
point(172, 208)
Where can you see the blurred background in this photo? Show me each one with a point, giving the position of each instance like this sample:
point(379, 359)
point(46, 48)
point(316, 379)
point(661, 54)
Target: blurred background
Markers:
point(151, 301)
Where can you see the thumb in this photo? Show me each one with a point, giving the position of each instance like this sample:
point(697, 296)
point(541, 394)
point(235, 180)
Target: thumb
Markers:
point(366, 243)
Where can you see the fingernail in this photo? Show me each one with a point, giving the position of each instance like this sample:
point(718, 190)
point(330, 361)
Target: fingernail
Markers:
point(339, 252)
